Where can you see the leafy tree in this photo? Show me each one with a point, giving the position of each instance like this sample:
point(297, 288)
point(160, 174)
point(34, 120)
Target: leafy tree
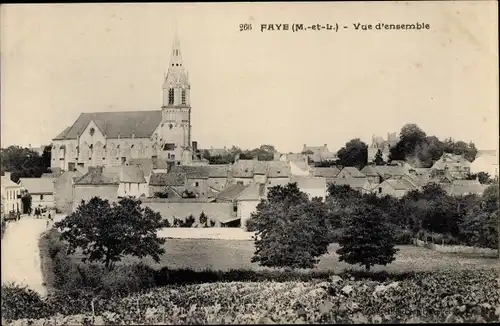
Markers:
point(379, 159)
point(203, 219)
point(290, 229)
point(27, 201)
point(410, 137)
point(189, 221)
point(21, 162)
point(354, 153)
point(105, 233)
point(480, 228)
point(47, 156)
point(482, 177)
point(212, 223)
point(368, 238)
point(342, 195)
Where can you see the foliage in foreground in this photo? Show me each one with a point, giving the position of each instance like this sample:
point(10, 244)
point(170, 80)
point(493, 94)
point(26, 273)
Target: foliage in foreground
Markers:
point(368, 239)
point(106, 233)
point(290, 229)
point(453, 296)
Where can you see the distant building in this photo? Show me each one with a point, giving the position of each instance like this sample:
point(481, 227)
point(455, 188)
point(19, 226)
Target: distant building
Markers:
point(384, 145)
point(41, 191)
point(318, 153)
point(11, 193)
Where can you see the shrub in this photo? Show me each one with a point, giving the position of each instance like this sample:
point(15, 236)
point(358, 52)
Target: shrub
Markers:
point(125, 279)
point(189, 221)
point(20, 302)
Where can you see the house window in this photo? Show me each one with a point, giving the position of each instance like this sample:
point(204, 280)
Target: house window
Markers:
point(171, 96)
point(235, 208)
point(379, 190)
point(183, 97)
point(41, 197)
point(172, 157)
point(196, 184)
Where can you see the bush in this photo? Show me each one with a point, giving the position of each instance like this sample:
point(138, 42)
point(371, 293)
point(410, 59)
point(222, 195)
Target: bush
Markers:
point(124, 280)
point(404, 237)
point(20, 302)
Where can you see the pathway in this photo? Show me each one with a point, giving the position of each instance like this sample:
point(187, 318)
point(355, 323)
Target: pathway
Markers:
point(20, 253)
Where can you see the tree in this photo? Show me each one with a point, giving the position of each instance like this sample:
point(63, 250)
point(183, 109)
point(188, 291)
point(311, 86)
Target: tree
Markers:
point(203, 219)
point(354, 153)
point(367, 238)
point(105, 233)
point(290, 229)
point(21, 162)
point(410, 137)
point(47, 156)
point(379, 159)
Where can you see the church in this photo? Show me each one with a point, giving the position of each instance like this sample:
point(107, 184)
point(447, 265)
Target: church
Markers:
point(114, 138)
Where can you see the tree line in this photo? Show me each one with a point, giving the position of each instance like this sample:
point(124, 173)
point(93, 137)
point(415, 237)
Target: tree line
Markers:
point(24, 163)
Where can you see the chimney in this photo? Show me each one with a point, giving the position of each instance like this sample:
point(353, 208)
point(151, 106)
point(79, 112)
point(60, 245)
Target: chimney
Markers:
point(7, 175)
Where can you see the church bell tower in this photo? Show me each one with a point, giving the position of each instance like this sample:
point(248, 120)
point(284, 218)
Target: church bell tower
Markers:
point(176, 108)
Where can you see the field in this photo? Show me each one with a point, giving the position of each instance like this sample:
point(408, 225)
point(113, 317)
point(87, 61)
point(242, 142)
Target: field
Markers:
point(200, 254)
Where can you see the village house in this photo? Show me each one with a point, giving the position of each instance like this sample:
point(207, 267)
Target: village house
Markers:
point(277, 173)
point(196, 178)
point(230, 195)
point(318, 153)
point(456, 165)
point(350, 172)
point(362, 185)
point(465, 187)
point(11, 193)
point(329, 173)
point(391, 171)
point(218, 176)
point(170, 184)
point(41, 191)
point(393, 187)
point(149, 165)
point(97, 182)
point(63, 190)
point(299, 165)
point(312, 186)
point(248, 200)
point(132, 182)
point(372, 174)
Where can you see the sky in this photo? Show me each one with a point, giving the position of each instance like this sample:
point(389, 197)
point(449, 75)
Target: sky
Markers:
point(251, 87)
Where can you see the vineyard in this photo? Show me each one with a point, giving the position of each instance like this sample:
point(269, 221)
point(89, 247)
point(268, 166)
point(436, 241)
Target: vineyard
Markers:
point(451, 296)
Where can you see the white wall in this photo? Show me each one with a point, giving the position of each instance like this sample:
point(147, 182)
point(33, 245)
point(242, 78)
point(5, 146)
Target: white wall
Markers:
point(245, 209)
point(133, 189)
point(48, 200)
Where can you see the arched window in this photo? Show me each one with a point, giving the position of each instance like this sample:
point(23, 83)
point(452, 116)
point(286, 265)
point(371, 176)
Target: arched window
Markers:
point(171, 96)
point(183, 96)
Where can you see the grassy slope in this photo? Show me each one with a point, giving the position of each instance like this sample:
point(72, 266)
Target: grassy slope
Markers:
point(200, 254)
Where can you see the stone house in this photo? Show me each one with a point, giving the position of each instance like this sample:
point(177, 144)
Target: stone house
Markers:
point(454, 164)
point(299, 164)
point(11, 192)
point(172, 184)
point(318, 153)
point(196, 178)
point(132, 182)
point(329, 173)
point(218, 176)
point(362, 185)
point(63, 190)
point(394, 187)
point(372, 174)
point(248, 200)
point(312, 186)
point(41, 191)
point(229, 195)
point(350, 172)
point(97, 182)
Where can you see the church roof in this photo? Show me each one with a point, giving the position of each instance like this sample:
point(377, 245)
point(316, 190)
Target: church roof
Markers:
point(141, 124)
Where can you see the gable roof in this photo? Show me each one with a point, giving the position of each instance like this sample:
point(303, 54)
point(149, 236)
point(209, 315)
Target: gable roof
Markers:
point(218, 170)
point(254, 191)
point(166, 179)
point(330, 172)
point(278, 169)
point(54, 174)
point(397, 184)
point(38, 185)
point(147, 165)
point(231, 192)
point(246, 168)
point(391, 170)
point(353, 172)
point(141, 124)
point(354, 183)
point(460, 190)
point(191, 172)
point(308, 182)
point(370, 171)
point(100, 176)
point(6, 182)
point(132, 174)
